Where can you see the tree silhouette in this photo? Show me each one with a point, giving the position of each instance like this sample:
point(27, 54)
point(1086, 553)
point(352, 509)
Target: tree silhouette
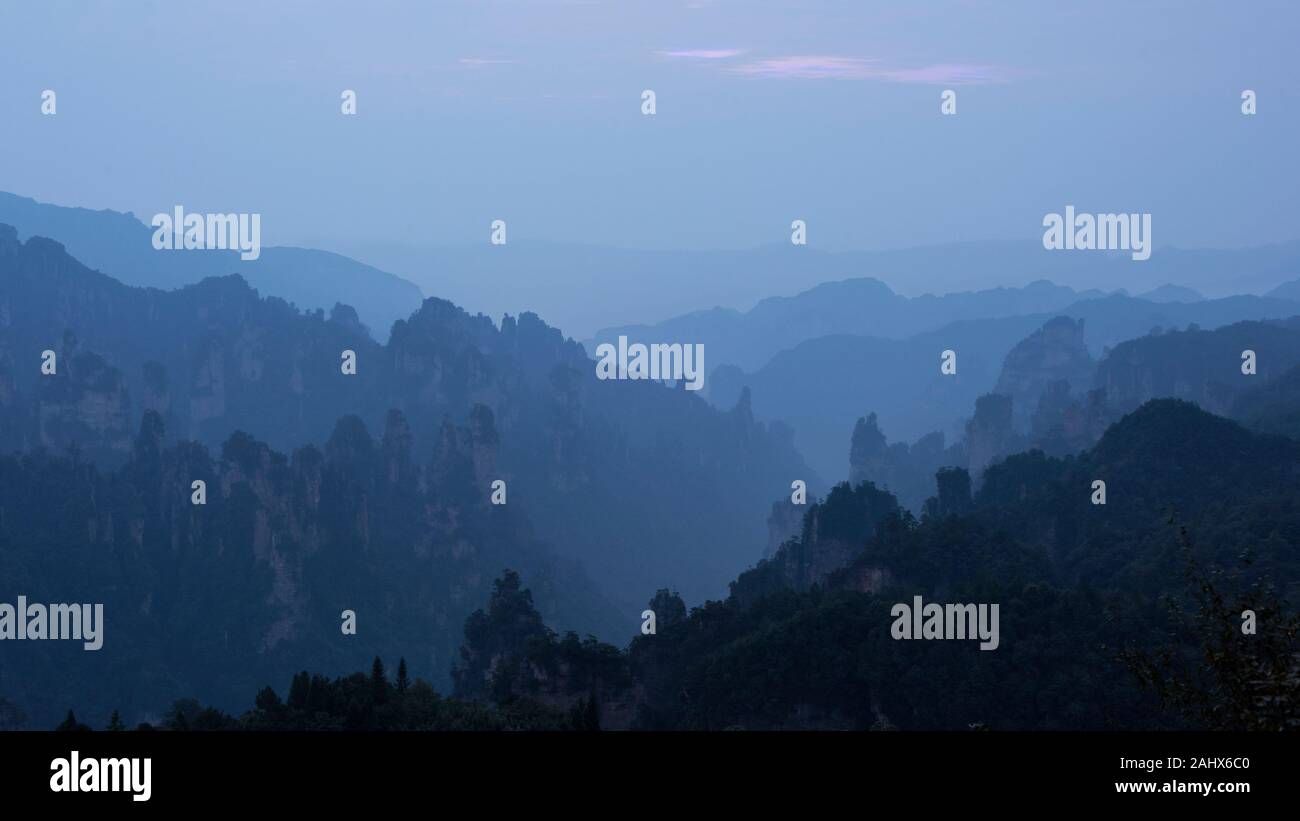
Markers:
point(1241, 682)
point(71, 725)
point(378, 682)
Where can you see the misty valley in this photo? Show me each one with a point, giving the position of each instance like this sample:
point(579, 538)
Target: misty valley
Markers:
point(271, 528)
point(393, 387)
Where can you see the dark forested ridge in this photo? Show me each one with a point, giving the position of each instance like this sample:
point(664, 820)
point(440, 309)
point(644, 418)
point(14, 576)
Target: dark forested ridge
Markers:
point(210, 599)
point(1122, 615)
point(804, 640)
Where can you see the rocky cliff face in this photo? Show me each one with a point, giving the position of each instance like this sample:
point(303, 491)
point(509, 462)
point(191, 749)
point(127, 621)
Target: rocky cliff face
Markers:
point(991, 433)
point(13, 409)
point(1064, 423)
point(1274, 407)
point(1205, 367)
point(832, 537)
point(905, 470)
point(783, 524)
point(868, 451)
point(1054, 353)
point(82, 403)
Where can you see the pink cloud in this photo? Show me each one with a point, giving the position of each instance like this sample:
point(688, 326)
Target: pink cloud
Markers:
point(703, 53)
point(948, 74)
point(857, 68)
point(809, 67)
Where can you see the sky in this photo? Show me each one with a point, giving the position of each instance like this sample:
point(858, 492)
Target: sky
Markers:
point(530, 111)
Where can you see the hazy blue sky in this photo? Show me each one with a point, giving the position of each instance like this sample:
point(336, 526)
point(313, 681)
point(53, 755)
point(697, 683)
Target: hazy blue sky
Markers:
point(767, 111)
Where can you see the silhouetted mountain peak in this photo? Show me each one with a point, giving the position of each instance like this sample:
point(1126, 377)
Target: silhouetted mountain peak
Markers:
point(868, 443)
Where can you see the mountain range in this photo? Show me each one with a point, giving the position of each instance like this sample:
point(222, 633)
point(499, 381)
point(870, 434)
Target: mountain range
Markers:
point(587, 288)
point(344, 473)
point(821, 385)
point(646, 485)
point(121, 245)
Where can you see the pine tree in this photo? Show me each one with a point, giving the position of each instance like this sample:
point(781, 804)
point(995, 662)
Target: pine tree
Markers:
point(300, 691)
point(115, 722)
point(402, 681)
point(378, 682)
point(70, 724)
point(267, 701)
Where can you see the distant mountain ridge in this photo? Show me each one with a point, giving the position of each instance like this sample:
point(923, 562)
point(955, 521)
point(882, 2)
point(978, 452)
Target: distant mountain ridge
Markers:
point(121, 246)
point(860, 307)
point(1172, 293)
point(1287, 290)
point(586, 288)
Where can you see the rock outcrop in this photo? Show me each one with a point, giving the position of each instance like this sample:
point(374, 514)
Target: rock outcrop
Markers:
point(1054, 353)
